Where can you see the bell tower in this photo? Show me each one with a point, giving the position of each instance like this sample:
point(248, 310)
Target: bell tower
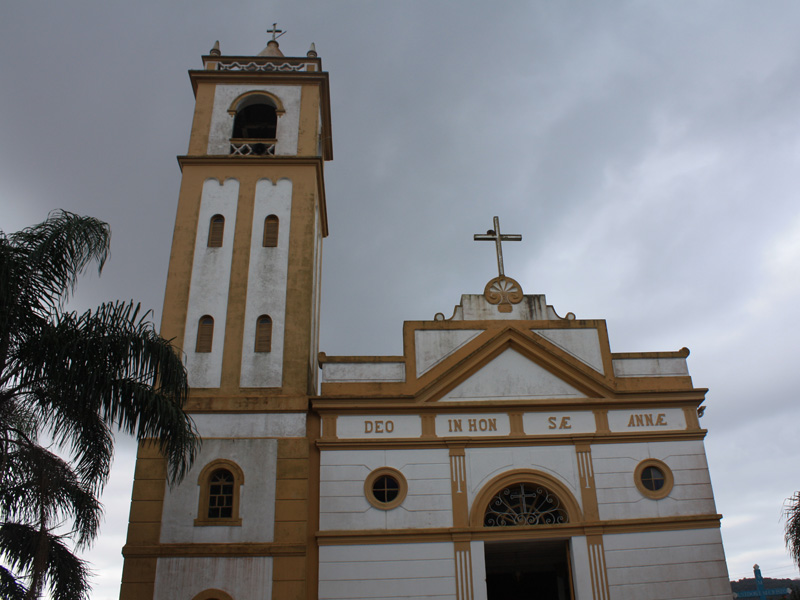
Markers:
point(242, 302)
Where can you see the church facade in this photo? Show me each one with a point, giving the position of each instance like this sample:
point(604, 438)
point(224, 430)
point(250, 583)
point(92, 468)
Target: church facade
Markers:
point(508, 453)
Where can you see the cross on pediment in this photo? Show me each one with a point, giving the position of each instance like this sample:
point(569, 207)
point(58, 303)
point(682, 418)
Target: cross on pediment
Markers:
point(494, 235)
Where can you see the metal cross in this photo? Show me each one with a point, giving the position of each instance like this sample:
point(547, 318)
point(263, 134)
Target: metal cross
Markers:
point(274, 31)
point(498, 238)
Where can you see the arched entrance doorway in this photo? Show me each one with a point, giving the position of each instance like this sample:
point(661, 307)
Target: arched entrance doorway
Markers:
point(519, 568)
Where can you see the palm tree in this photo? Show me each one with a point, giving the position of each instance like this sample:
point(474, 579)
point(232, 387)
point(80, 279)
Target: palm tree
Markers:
point(792, 513)
point(73, 380)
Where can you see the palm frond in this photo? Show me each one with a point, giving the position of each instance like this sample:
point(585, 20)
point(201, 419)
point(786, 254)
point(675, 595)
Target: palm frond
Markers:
point(10, 587)
point(67, 576)
point(58, 250)
point(41, 486)
point(109, 363)
point(792, 529)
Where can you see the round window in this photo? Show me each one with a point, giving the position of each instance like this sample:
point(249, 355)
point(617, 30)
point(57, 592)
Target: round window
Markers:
point(385, 488)
point(653, 479)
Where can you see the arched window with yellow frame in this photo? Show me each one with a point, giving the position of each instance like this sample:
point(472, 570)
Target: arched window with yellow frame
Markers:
point(220, 484)
point(216, 230)
point(205, 334)
point(271, 224)
point(263, 334)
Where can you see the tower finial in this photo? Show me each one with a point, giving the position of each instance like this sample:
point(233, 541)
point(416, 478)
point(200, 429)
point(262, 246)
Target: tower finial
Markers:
point(272, 48)
point(312, 52)
point(276, 33)
point(215, 50)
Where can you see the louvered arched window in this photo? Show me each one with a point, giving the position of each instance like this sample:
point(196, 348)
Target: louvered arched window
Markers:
point(271, 231)
point(263, 334)
point(215, 230)
point(205, 334)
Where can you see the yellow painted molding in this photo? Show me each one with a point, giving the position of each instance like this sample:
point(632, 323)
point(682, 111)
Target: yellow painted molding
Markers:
point(206, 549)
point(398, 536)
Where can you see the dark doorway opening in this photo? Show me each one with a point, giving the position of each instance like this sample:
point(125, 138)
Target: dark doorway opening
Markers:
point(528, 570)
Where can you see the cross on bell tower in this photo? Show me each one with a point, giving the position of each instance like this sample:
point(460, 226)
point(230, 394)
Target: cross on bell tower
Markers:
point(276, 33)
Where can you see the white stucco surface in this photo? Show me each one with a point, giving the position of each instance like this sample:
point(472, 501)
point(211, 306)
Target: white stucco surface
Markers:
point(484, 464)
point(581, 578)
point(434, 345)
point(222, 123)
point(375, 372)
point(618, 497)
point(478, 570)
point(511, 376)
point(378, 426)
point(583, 344)
point(387, 571)
point(650, 367)
point(688, 564)
point(242, 578)
point(556, 422)
point(344, 506)
point(258, 459)
point(279, 425)
point(211, 274)
point(266, 285)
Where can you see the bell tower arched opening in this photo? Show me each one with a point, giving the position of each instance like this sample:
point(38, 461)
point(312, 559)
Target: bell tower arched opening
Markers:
point(256, 118)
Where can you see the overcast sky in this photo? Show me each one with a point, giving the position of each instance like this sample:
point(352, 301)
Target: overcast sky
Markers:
point(648, 153)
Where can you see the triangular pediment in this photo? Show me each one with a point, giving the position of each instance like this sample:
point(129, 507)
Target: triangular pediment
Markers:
point(511, 376)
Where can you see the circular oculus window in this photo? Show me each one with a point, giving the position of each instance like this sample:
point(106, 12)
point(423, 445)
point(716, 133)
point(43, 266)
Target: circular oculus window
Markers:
point(653, 479)
point(385, 488)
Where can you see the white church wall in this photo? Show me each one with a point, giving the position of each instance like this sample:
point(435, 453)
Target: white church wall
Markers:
point(581, 568)
point(258, 460)
point(618, 497)
point(279, 425)
point(211, 274)
point(221, 130)
point(266, 285)
point(478, 571)
point(387, 571)
point(687, 564)
point(484, 464)
point(511, 375)
point(243, 578)
point(650, 367)
point(361, 371)
point(343, 504)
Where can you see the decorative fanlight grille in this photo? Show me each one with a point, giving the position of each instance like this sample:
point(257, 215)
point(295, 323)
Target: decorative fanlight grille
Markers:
point(524, 504)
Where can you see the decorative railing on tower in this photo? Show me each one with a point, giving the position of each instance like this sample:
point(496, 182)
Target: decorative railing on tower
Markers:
point(265, 65)
point(252, 148)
